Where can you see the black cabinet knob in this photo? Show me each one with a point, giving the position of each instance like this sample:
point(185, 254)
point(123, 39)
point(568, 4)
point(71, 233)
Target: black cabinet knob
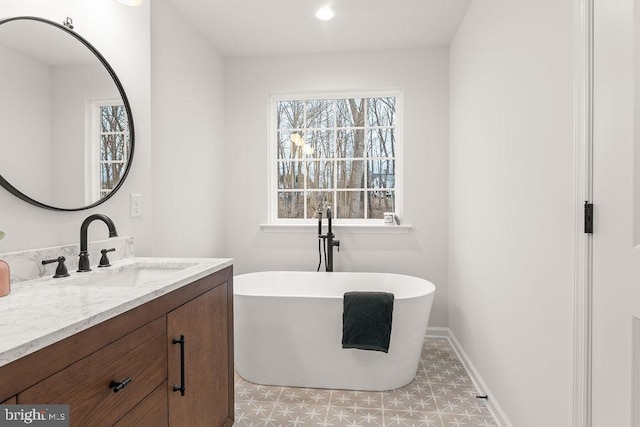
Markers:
point(117, 386)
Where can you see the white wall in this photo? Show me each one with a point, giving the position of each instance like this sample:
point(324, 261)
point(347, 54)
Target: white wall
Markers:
point(188, 156)
point(616, 263)
point(511, 203)
point(423, 75)
point(122, 35)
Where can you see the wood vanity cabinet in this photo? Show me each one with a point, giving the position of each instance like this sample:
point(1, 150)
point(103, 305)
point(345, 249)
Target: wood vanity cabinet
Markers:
point(206, 397)
point(181, 339)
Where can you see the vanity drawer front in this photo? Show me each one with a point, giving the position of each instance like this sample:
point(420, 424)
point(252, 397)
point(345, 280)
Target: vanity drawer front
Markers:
point(152, 411)
point(85, 385)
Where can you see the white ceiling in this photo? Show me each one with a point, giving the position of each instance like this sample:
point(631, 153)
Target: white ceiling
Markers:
point(281, 27)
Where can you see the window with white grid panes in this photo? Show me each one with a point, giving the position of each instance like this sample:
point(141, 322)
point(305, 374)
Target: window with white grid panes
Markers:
point(336, 152)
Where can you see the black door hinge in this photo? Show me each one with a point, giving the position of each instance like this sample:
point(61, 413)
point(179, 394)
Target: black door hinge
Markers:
point(588, 218)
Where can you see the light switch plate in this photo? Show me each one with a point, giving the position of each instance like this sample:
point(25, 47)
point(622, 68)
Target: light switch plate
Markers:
point(135, 206)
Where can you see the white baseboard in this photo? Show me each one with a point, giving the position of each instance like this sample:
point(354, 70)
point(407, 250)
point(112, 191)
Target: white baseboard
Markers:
point(492, 404)
point(437, 331)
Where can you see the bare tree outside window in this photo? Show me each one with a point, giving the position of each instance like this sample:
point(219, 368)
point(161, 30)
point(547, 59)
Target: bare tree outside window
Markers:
point(336, 152)
point(114, 143)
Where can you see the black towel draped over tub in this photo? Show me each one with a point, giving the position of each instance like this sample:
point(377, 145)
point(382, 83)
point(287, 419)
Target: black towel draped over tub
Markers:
point(366, 320)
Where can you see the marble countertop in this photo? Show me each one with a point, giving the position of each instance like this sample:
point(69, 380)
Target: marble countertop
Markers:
point(40, 312)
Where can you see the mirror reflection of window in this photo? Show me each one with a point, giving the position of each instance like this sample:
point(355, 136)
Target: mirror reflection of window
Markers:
point(114, 146)
point(108, 153)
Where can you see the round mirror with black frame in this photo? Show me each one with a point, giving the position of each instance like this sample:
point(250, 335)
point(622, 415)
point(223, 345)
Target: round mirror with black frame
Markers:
point(66, 128)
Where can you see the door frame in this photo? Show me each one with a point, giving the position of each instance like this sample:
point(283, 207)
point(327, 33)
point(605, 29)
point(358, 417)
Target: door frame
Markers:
point(583, 192)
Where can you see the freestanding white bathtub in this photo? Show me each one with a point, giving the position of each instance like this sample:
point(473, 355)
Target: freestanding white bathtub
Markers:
point(288, 330)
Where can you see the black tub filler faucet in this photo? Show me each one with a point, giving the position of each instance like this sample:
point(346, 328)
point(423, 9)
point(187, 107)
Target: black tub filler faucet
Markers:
point(326, 240)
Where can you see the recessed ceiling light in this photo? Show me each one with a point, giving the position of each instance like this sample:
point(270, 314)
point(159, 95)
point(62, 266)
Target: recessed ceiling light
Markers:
point(325, 14)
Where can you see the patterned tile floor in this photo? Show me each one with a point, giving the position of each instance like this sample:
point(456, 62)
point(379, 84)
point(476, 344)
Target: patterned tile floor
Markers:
point(441, 395)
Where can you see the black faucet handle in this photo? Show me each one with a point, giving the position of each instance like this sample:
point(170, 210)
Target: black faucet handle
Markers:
point(104, 259)
point(61, 270)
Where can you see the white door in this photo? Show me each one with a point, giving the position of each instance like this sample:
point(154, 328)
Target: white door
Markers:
point(616, 238)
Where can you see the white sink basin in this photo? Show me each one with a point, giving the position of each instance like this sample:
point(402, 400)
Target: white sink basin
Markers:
point(127, 276)
point(133, 277)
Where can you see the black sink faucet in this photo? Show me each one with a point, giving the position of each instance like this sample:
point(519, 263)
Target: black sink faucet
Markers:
point(83, 262)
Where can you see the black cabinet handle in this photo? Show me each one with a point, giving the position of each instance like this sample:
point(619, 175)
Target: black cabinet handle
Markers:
point(117, 386)
point(180, 388)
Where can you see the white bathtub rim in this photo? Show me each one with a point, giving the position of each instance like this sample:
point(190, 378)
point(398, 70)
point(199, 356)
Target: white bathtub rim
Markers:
point(427, 287)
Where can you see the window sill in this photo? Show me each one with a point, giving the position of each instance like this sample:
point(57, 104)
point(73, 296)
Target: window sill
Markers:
point(339, 228)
